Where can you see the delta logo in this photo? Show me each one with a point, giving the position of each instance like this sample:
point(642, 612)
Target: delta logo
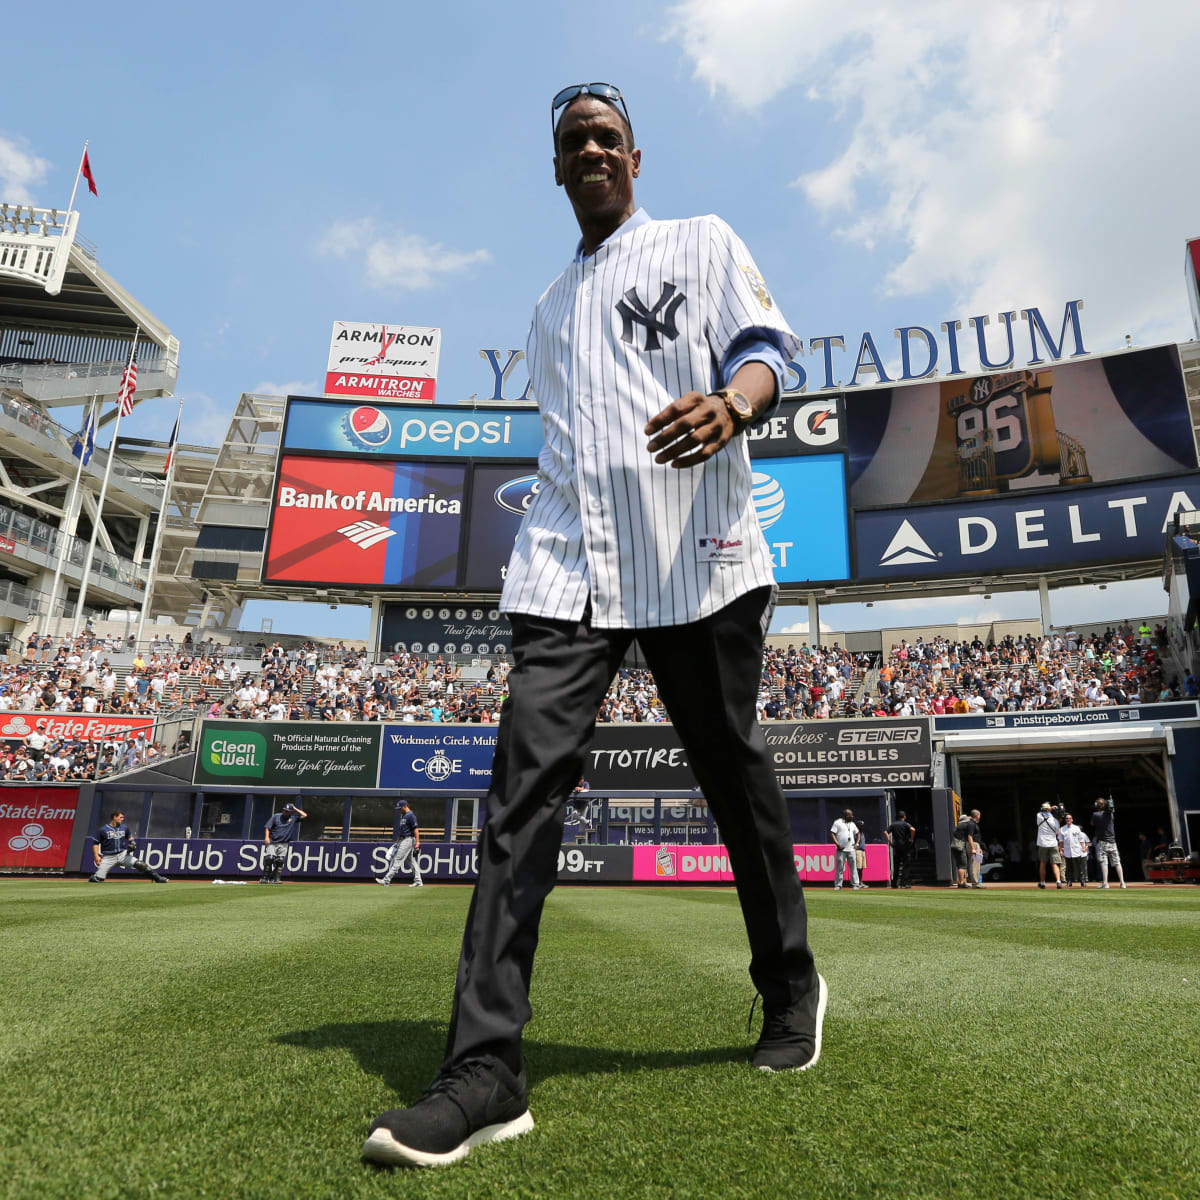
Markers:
point(235, 754)
point(367, 428)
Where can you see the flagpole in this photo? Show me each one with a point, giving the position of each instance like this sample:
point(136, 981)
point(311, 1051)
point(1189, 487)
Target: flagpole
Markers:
point(65, 537)
point(78, 172)
point(156, 550)
point(112, 447)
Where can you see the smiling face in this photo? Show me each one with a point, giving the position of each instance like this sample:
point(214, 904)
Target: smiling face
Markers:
point(596, 164)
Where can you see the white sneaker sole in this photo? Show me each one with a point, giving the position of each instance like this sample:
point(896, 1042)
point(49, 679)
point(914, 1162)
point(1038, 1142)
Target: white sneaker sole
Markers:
point(822, 1002)
point(382, 1147)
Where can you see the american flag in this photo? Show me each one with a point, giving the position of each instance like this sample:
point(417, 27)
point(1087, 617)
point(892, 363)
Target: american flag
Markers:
point(128, 387)
point(171, 448)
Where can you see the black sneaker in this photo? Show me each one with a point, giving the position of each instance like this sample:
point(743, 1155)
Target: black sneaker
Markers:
point(159, 878)
point(93, 879)
point(475, 1102)
point(791, 1037)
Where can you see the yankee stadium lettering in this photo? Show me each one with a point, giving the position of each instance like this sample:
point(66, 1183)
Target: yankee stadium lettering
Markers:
point(631, 310)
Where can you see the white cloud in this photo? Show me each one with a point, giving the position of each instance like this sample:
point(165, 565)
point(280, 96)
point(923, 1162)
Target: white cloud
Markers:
point(293, 387)
point(20, 169)
point(1012, 154)
point(397, 260)
point(801, 627)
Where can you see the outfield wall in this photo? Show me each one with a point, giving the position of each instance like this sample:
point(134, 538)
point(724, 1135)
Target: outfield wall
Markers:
point(455, 862)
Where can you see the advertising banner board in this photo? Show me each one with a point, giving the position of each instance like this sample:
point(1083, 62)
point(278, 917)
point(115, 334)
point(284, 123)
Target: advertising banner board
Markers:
point(410, 431)
point(287, 754)
point(441, 862)
point(710, 864)
point(87, 727)
point(385, 362)
point(1071, 718)
point(801, 506)
point(1070, 527)
point(815, 426)
point(444, 629)
point(442, 758)
point(365, 523)
point(36, 825)
point(1104, 420)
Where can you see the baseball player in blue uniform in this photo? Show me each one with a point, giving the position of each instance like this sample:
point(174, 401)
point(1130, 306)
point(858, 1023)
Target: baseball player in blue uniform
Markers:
point(115, 846)
point(407, 843)
point(281, 829)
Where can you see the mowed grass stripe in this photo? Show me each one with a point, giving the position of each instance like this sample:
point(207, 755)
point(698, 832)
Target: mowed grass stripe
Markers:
point(255, 1065)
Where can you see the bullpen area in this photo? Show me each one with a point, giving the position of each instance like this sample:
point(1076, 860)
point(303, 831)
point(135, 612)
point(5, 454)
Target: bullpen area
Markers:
point(219, 1040)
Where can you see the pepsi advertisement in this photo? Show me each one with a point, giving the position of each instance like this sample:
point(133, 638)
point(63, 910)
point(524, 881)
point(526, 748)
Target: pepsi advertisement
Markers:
point(411, 430)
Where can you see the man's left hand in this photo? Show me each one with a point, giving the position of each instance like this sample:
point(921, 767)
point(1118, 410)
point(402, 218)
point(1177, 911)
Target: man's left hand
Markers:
point(690, 430)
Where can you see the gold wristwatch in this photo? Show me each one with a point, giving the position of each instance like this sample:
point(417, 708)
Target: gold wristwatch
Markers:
point(740, 409)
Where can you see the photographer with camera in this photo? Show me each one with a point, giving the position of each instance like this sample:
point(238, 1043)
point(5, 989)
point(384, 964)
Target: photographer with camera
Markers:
point(1049, 845)
point(1104, 833)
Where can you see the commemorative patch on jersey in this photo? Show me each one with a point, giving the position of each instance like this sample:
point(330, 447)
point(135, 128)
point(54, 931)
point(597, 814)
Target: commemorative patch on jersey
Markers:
point(759, 285)
point(719, 550)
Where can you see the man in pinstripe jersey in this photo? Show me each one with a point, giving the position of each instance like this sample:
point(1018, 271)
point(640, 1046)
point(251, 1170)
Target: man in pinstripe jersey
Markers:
point(650, 354)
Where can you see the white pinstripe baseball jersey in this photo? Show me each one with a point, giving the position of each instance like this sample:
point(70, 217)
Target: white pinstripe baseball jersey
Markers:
point(649, 316)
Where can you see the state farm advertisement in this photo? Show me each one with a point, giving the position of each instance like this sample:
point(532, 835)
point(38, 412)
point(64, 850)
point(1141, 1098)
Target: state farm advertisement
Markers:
point(87, 727)
point(710, 864)
point(386, 362)
point(36, 825)
point(365, 523)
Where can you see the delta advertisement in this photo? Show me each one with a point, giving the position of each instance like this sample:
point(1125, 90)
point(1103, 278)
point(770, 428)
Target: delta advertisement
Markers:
point(372, 524)
point(1105, 420)
point(412, 431)
point(300, 753)
point(386, 362)
point(36, 825)
point(445, 629)
point(453, 862)
point(1113, 523)
point(84, 727)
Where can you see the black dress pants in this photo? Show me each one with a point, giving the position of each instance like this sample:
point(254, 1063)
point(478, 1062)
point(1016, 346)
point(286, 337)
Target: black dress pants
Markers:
point(900, 865)
point(708, 674)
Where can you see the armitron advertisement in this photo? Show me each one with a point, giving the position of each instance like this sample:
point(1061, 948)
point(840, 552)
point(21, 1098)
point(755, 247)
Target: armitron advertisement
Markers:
point(36, 825)
point(1120, 417)
point(386, 362)
point(366, 523)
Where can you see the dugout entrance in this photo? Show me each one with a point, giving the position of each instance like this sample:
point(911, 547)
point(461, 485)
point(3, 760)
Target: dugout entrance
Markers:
point(1008, 785)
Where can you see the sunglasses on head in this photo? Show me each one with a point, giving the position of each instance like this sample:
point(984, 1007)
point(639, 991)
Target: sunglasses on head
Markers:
point(606, 92)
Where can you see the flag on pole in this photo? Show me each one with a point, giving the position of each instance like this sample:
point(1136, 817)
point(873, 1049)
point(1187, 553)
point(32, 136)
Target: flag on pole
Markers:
point(128, 387)
point(85, 168)
point(171, 448)
point(85, 442)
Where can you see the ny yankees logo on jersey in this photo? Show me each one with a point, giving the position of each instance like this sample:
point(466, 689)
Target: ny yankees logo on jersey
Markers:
point(632, 309)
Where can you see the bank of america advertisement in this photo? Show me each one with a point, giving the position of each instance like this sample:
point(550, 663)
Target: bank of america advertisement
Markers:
point(1117, 523)
point(386, 362)
point(1119, 417)
point(412, 431)
point(365, 523)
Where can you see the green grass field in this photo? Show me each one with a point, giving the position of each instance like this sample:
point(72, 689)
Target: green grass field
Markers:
point(194, 1040)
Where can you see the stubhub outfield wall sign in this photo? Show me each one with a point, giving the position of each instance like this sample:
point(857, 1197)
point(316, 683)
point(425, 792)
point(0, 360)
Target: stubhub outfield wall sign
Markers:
point(452, 862)
point(1112, 523)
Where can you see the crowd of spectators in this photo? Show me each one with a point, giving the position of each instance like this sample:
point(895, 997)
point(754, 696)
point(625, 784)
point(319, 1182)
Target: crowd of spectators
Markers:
point(1123, 665)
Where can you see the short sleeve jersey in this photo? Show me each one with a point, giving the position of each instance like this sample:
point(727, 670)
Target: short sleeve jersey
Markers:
point(283, 827)
point(407, 826)
point(623, 332)
point(113, 839)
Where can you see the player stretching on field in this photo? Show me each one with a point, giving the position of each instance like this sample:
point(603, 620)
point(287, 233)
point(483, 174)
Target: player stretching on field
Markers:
point(280, 830)
point(650, 354)
point(408, 842)
point(114, 847)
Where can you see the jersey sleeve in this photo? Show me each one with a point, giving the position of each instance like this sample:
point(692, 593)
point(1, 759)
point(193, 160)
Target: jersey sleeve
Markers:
point(738, 302)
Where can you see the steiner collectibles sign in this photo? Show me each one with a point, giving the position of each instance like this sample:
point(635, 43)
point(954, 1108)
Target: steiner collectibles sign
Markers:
point(313, 753)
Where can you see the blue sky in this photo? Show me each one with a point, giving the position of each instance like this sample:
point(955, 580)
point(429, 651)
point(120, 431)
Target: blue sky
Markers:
point(266, 169)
